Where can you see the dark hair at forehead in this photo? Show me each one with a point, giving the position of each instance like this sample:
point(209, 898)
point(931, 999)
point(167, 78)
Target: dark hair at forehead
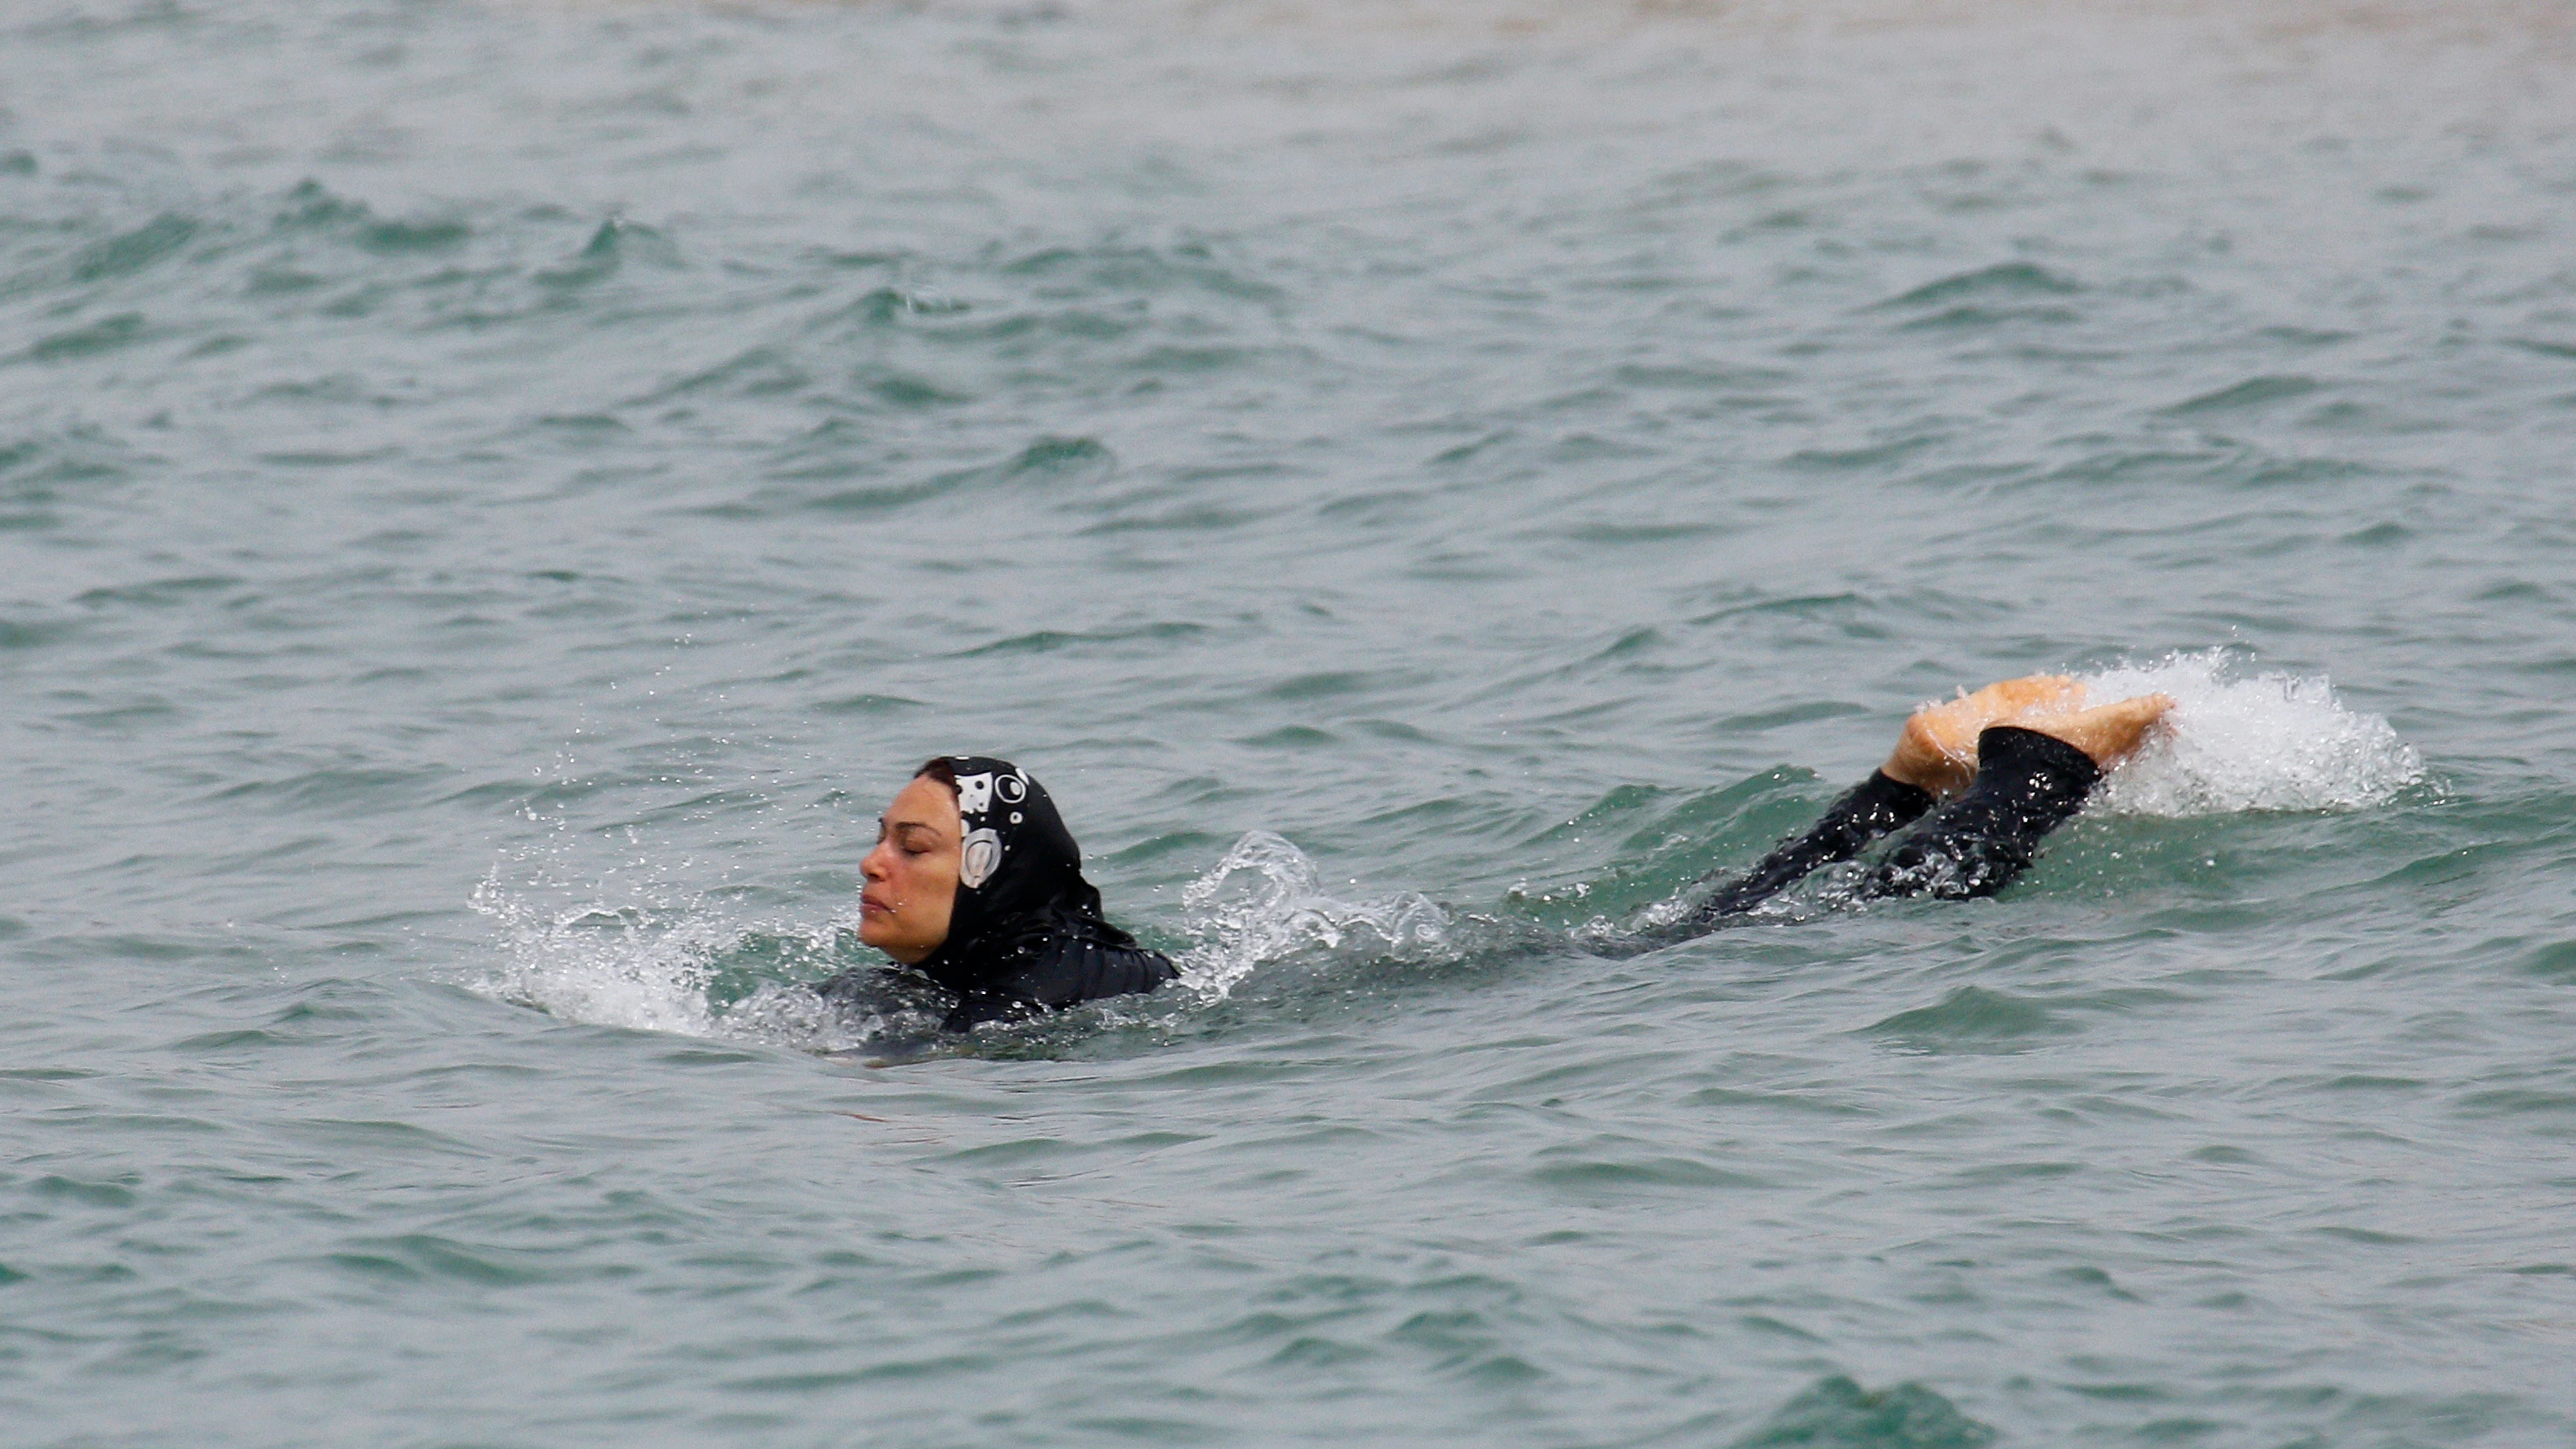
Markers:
point(940, 770)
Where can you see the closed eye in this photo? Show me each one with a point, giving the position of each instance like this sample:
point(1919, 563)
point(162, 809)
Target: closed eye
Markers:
point(915, 839)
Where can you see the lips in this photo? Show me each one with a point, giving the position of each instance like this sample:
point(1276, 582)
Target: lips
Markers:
point(875, 906)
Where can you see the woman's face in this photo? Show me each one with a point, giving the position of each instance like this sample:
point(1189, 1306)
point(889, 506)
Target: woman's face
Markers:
point(912, 873)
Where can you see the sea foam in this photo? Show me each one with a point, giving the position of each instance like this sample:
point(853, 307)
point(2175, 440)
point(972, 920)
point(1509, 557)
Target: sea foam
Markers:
point(2236, 741)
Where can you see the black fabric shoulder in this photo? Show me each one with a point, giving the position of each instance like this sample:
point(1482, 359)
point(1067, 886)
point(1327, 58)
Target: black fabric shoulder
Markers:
point(1060, 969)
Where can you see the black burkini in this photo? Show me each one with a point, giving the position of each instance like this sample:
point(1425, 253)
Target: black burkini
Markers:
point(1028, 935)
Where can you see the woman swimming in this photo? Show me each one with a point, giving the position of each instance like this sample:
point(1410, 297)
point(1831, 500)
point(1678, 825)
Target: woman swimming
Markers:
point(976, 887)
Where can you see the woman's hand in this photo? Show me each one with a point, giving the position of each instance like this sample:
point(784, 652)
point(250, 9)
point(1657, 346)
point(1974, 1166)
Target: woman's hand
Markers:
point(1938, 750)
point(2110, 732)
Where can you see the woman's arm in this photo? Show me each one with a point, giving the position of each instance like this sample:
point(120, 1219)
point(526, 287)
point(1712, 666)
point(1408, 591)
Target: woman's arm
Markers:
point(1992, 831)
point(1867, 811)
point(2027, 785)
point(2031, 777)
point(1935, 755)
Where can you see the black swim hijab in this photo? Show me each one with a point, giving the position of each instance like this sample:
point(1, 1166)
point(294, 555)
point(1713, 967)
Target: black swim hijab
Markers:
point(1017, 866)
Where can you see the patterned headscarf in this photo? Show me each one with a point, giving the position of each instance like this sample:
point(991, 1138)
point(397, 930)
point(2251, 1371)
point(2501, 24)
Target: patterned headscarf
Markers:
point(1017, 866)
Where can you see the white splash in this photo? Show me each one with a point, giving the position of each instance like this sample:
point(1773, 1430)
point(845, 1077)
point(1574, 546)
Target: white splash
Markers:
point(649, 969)
point(1264, 903)
point(2264, 742)
point(624, 967)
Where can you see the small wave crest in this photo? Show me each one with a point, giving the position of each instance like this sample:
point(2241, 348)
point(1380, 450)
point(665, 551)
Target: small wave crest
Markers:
point(1265, 903)
point(2237, 742)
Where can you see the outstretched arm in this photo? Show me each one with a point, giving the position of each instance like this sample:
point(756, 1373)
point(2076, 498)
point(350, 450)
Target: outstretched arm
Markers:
point(1867, 811)
point(1936, 755)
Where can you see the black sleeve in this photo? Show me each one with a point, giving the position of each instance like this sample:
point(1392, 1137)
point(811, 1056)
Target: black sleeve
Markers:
point(1869, 810)
point(2027, 784)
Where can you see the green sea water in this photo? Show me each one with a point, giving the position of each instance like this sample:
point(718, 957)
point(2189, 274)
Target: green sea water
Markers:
point(493, 497)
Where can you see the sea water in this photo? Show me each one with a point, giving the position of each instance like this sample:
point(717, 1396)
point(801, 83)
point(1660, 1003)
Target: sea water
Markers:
point(493, 499)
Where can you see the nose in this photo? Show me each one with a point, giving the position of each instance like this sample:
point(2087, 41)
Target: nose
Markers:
point(873, 865)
